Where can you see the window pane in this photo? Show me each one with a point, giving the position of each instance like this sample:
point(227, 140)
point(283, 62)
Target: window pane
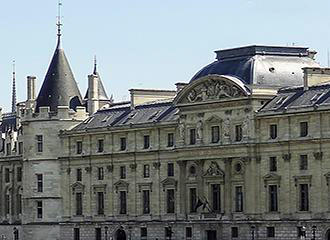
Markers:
point(123, 204)
point(79, 205)
point(100, 201)
point(272, 164)
point(193, 199)
point(273, 131)
point(216, 204)
point(303, 162)
point(273, 204)
point(238, 199)
point(170, 201)
point(146, 201)
point(238, 133)
point(146, 142)
point(170, 169)
point(192, 136)
point(303, 129)
point(170, 139)
point(215, 134)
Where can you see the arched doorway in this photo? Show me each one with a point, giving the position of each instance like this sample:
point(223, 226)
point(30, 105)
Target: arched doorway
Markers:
point(327, 235)
point(120, 234)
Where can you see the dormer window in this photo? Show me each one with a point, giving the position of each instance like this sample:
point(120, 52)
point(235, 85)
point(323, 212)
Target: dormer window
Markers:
point(281, 100)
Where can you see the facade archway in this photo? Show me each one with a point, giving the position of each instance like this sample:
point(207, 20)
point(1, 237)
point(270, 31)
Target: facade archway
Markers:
point(120, 234)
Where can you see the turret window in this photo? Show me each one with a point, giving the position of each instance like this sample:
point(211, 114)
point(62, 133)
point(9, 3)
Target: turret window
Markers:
point(39, 143)
point(39, 209)
point(39, 183)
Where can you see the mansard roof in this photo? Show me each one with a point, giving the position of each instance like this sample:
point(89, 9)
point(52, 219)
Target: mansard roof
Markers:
point(59, 87)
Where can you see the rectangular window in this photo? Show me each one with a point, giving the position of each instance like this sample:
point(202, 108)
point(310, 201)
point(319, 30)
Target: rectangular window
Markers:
point(8, 149)
point(39, 143)
point(146, 170)
point(170, 140)
point(272, 164)
point(79, 147)
point(273, 131)
point(7, 175)
point(144, 233)
point(39, 183)
point(238, 133)
point(100, 203)
point(303, 129)
point(215, 134)
point(122, 172)
point(19, 174)
point(270, 232)
point(100, 173)
point(216, 195)
point(273, 202)
point(188, 233)
point(122, 144)
point(100, 145)
point(239, 199)
point(123, 202)
point(79, 204)
point(39, 209)
point(98, 234)
point(193, 199)
point(192, 136)
point(170, 169)
point(146, 141)
point(303, 165)
point(234, 232)
point(20, 148)
point(76, 234)
point(19, 203)
point(79, 175)
point(146, 201)
point(170, 200)
point(7, 204)
point(304, 201)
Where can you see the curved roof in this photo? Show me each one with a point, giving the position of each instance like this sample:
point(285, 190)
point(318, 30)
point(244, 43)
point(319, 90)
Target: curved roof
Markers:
point(261, 65)
point(59, 87)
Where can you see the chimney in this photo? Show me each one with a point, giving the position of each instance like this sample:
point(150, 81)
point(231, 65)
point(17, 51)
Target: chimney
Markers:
point(31, 88)
point(311, 53)
point(180, 86)
point(315, 76)
point(93, 94)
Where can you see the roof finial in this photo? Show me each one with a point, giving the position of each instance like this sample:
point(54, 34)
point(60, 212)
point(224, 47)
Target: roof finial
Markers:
point(95, 65)
point(13, 102)
point(59, 24)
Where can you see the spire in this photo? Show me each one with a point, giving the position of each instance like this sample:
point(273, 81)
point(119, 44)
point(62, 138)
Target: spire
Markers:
point(59, 24)
point(95, 66)
point(13, 99)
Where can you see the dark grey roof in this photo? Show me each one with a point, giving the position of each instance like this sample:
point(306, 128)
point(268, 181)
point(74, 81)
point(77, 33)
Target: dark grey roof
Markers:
point(296, 98)
point(126, 116)
point(59, 87)
point(8, 122)
point(262, 65)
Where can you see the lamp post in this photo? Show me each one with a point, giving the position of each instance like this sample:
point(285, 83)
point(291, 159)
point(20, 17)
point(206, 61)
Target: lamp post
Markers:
point(252, 232)
point(313, 232)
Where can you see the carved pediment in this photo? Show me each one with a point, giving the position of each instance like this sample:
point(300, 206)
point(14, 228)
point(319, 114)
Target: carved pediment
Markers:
point(146, 185)
point(121, 185)
point(214, 171)
point(99, 188)
point(78, 187)
point(169, 182)
point(213, 119)
point(271, 178)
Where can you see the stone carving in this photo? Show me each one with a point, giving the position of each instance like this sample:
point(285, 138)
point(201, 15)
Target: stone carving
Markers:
point(156, 165)
point(199, 129)
point(213, 90)
point(226, 128)
point(214, 170)
point(246, 127)
point(181, 128)
point(318, 155)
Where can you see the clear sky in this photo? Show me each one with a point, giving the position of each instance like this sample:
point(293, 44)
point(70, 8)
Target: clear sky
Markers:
point(148, 43)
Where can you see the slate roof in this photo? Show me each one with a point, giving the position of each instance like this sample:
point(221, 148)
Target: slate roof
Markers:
point(163, 112)
point(295, 98)
point(8, 122)
point(261, 65)
point(59, 87)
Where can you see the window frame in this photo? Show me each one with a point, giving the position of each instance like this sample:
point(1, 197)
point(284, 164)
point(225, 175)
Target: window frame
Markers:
point(100, 203)
point(100, 145)
point(192, 136)
point(79, 147)
point(170, 200)
point(146, 170)
point(40, 182)
point(170, 169)
point(303, 162)
point(122, 172)
point(145, 201)
point(238, 133)
point(216, 197)
point(146, 141)
point(215, 134)
point(40, 140)
point(273, 164)
point(239, 199)
point(303, 129)
point(100, 173)
point(39, 209)
point(122, 202)
point(170, 139)
point(273, 131)
point(79, 204)
point(123, 143)
point(273, 198)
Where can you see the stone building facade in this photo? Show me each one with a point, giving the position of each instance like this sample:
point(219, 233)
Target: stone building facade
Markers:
point(239, 152)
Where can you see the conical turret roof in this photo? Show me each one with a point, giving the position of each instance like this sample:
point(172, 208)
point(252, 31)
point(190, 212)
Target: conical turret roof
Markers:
point(59, 87)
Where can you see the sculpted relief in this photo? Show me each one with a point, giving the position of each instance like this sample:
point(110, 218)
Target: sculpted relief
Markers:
point(213, 90)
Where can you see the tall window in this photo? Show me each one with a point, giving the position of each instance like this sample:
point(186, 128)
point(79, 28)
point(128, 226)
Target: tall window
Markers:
point(20, 148)
point(303, 200)
point(234, 232)
point(8, 149)
point(39, 143)
point(100, 173)
point(19, 174)
point(98, 234)
point(122, 144)
point(238, 133)
point(146, 201)
point(192, 134)
point(39, 183)
point(146, 170)
point(170, 169)
point(303, 129)
point(79, 147)
point(100, 203)
point(303, 165)
point(168, 233)
point(7, 204)
point(239, 199)
point(271, 232)
point(216, 204)
point(188, 233)
point(19, 203)
point(123, 202)
point(273, 131)
point(100, 145)
point(215, 134)
point(76, 234)
point(79, 175)
point(272, 164)
point(193, 199)
point(7, 175)
point(146, 141)
point(122, 172)
point(170, 201)
point(79, 204)
point(170, 140)
point(273, 202)
point(39, 209)
point(144, 233)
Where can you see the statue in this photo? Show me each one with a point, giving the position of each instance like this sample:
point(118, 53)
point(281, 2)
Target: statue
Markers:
point(226, 128)
point(181, 129)
point(199, 129)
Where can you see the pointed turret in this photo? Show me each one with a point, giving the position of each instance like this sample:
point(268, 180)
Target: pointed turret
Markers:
point(59, 87)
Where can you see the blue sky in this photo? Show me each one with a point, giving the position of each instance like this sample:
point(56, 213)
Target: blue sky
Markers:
point(148, 43)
